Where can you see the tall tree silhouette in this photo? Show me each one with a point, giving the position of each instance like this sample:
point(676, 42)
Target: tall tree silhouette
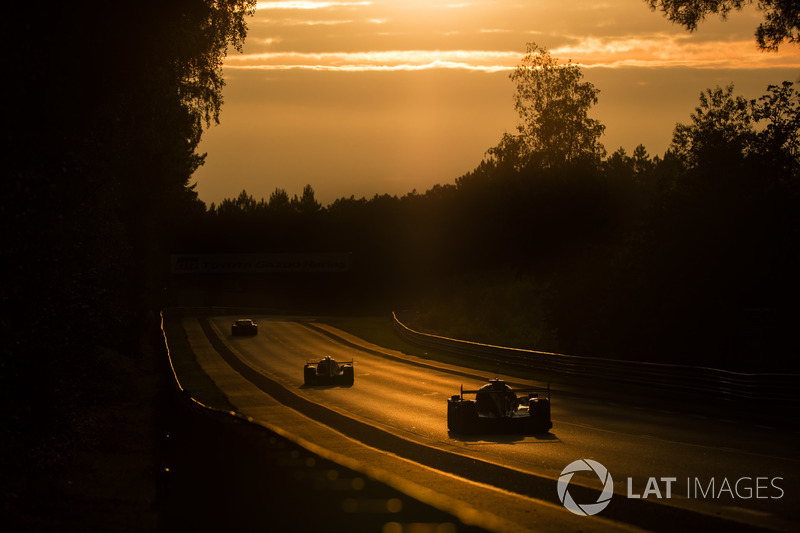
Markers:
point(553, 105)
point(279, 201)
point(779, 139)
point(721, 130)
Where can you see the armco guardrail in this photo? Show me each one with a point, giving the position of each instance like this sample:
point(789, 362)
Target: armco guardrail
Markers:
point(783, 389)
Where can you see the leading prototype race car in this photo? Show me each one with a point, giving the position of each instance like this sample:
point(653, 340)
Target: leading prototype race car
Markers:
point(497, 409)
point(328, 372)
point(244, 326)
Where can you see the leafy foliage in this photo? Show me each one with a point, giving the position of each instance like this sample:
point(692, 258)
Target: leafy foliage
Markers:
point(779, 140)
point(553, 105)
point(781, 17)
point(721, 127)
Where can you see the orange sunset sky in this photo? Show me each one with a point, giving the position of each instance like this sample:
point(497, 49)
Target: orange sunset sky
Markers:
point(372, 97)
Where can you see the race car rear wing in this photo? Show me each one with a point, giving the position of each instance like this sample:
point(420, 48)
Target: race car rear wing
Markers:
point(528, 390)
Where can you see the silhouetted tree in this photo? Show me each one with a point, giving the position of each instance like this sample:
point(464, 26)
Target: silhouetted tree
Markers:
point(553, 105)
point(198, 37)
point(244, 203)
point(779, 139)
point(781, 17)
point(725, 128)
point(279, 201)
point(643, 165)
point(620, 166)
point(510, 155)
point(307, 203)
point(720, 132)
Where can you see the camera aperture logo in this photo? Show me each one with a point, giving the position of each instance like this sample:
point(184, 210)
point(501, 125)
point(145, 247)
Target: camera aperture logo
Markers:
point(585, 509)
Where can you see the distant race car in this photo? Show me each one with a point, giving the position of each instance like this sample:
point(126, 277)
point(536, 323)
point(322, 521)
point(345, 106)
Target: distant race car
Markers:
point(328, 372)
point(497, 409)
point(244, 326)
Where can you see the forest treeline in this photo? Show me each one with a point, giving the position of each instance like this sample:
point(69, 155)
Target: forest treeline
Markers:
point(686, 257)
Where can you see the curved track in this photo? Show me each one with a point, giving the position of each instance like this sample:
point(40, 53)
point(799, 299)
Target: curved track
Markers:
point(403, 398)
